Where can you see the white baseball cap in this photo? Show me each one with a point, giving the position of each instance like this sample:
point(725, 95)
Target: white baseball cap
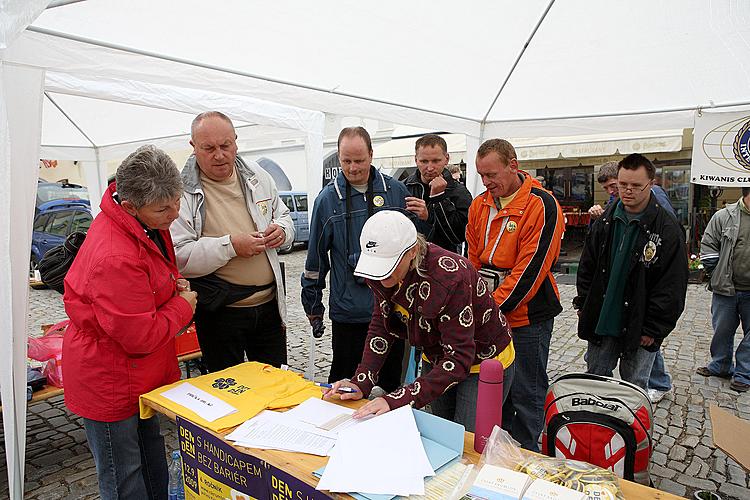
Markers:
point(385, 238)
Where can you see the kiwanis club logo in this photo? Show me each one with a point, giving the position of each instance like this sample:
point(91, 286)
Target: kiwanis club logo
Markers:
point(728, 144)
point(741, 146)
point(229, 385)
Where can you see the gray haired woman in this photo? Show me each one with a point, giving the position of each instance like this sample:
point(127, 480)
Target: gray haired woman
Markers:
point(126, 303)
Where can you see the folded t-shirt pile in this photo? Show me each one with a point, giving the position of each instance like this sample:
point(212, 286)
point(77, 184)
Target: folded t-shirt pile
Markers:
point(249, 387)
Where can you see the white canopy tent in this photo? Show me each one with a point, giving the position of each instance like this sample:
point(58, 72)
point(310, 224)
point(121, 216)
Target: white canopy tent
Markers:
point(92, 80)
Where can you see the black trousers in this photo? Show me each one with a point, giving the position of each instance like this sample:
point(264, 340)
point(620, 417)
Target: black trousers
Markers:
point(227, 335)
point(348, 341)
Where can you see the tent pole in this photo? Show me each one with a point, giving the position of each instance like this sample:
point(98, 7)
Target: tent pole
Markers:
point(518, 59)
point(626, 113)
point(70, 119)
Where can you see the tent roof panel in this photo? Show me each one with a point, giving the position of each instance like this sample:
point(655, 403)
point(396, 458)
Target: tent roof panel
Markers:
point(622, 57)
point(109, 122)
point(365, 50)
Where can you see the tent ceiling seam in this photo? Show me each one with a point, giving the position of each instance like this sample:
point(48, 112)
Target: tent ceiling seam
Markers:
point(61, 3)
point(178, 60)
point(518, 59)
point(625, 113)
point(93, 144)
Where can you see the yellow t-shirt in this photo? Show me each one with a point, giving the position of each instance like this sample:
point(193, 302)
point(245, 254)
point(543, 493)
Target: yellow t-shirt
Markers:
point(501, 202)
point(249, 387)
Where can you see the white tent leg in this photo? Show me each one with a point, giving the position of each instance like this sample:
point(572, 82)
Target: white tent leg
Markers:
point(314, 157)
point(473, 182)
point(96, 181)
point(20, 134)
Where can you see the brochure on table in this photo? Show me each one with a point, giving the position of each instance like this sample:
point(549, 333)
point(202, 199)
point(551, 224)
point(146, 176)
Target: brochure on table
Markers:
point(443, 442)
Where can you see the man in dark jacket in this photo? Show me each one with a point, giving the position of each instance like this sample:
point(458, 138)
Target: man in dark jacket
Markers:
point(340, 211)
point(440, 203)
point(632, 278)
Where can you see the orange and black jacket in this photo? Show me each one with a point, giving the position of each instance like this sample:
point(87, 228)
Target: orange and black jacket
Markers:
point(523, 238)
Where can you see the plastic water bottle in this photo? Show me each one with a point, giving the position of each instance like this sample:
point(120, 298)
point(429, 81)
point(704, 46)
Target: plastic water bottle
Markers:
point(176, 486)
point(489, 402)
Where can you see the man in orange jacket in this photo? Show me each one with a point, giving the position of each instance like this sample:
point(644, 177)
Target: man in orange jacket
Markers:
point(514, 234)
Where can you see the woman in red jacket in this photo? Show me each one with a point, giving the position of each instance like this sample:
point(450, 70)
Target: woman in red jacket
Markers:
point(438, 301)
point(126, 305)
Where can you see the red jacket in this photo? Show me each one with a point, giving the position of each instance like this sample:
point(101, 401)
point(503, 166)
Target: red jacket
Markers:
point(120, 296)
point(523, 238)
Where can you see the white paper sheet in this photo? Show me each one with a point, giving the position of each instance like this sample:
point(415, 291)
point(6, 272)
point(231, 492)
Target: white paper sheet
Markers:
point(387, 446)
point(323, 415)
point(207, 406)
point(270, 430)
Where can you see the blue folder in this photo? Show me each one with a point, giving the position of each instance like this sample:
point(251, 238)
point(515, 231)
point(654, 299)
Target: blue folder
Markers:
point(443, 442)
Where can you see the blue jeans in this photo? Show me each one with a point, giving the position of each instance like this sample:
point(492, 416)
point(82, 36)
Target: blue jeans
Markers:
point(523, 410)
point(659, 378)
point(459, 403)
point(726, 315)
point(635, 367)
point(129, 457)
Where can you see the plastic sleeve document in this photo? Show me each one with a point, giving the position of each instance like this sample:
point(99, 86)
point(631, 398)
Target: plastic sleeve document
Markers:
point(207, 406)
point(275, 431)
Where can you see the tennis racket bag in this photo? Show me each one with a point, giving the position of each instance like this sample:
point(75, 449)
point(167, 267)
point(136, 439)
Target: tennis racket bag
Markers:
point(601, 420)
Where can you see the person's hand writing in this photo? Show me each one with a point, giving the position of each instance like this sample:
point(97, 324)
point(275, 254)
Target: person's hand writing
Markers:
point(248, 245)
point(438, 185)
point(646, 340)
point(377, 406)
point(333, 391)
point(191, 297)
point(417, 206)
point(274, 236)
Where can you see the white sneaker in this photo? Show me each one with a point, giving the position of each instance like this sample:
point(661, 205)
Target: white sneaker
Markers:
point(655, 396)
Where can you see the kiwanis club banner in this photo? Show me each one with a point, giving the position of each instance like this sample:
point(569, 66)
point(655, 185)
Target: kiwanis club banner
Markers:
point(721, 149)
point(214, 470)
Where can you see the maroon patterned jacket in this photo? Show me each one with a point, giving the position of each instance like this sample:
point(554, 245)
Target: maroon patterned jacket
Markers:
point(452, 316)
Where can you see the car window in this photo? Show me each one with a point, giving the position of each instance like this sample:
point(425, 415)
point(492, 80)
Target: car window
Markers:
point(301, 200)
point(40, 222)
point(287, 199)
point(49, 192)
point(60, 223)
point(81, 221)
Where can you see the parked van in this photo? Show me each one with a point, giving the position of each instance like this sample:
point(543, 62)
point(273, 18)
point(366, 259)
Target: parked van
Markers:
point(296, 201)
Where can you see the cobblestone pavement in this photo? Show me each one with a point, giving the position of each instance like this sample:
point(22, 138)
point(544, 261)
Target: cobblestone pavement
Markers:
point(59, 464)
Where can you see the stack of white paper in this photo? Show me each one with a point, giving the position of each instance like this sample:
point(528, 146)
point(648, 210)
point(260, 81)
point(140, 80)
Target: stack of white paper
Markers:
point(383, 455)
point(205, 405)
point(270, 430)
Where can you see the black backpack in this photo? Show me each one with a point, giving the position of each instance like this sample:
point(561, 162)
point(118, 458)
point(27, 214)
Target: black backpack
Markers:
point(55, 263)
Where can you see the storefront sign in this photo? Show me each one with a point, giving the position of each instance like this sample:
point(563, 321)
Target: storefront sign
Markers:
point(214, 470)
point(721, 149)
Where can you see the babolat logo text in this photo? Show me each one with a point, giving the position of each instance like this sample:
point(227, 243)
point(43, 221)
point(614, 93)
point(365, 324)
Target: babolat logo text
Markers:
point(594, 402)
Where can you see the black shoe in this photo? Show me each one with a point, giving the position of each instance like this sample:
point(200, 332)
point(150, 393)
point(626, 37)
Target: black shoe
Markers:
point(703, 370)
point(739, 386)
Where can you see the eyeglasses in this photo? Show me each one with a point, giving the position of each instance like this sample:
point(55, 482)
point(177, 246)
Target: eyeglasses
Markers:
point(631, 187)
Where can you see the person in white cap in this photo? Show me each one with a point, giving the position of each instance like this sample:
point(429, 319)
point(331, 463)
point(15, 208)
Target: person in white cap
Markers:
point(436, 300)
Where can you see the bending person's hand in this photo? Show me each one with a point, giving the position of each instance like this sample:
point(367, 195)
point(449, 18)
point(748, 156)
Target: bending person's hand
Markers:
point(329, 393)
point(377, 406)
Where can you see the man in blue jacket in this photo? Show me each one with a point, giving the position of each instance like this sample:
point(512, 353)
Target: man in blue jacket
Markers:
point(340, 211)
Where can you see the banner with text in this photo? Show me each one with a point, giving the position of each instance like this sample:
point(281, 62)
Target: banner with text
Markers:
point(214, 470)
point(721, 149)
